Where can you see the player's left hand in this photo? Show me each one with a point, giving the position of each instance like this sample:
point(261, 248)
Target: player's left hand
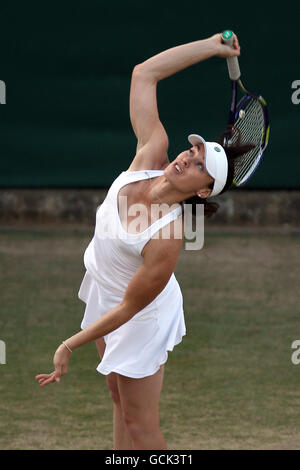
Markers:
point(61, 361)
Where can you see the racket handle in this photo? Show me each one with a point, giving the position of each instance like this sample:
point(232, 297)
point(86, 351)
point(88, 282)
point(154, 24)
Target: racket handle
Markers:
point(232, 62)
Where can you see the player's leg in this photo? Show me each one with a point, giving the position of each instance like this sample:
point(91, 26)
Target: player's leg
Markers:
point(140, 406)
point(122, 440)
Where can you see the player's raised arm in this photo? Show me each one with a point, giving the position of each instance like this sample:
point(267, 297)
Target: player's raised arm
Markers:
point(152, 138)
point(178, 58)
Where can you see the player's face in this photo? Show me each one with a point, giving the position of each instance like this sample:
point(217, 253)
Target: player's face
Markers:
point(188, 172)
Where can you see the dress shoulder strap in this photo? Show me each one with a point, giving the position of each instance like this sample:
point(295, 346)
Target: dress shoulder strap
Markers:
point(139, 240)
point(127, 177)
point(132, 176)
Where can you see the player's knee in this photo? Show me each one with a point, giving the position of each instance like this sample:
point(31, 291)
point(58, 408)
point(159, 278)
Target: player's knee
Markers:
point(112, 384)
point(139, 425)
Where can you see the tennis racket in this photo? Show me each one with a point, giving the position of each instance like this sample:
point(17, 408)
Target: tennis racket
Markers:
point(248, 120)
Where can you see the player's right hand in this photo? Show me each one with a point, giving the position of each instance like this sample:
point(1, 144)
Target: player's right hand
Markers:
point(223, 50)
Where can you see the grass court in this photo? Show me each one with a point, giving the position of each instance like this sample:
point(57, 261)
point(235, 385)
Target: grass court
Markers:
point(230, 384)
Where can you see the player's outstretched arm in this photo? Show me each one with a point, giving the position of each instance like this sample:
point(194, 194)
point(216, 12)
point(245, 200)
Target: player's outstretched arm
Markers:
point(160, 257)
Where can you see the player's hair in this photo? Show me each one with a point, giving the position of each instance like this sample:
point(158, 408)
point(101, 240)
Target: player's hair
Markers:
point(233, 150)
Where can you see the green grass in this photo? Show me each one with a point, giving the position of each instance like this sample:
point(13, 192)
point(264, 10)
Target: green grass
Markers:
point(229, 385)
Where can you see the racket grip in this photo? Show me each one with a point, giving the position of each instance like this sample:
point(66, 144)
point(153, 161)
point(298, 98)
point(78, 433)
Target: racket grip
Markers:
point(232, 62)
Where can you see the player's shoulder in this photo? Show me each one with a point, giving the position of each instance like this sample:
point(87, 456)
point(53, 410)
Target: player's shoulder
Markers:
point(167, 242)
point(151, 156)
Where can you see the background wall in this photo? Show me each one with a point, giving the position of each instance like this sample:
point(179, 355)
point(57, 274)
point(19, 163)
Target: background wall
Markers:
point(67, 69)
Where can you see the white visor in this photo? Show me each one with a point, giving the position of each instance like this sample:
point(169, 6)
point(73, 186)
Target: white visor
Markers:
point(215, 162)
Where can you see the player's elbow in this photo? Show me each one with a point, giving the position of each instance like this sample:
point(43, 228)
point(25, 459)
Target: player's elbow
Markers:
point(143, 71)
point(137, 299)
point(138, 70)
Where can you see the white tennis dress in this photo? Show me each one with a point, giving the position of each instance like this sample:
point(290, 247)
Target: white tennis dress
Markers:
point(139, 347)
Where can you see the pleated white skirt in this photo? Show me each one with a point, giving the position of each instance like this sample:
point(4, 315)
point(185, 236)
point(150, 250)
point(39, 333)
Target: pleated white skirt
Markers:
point(139, 347)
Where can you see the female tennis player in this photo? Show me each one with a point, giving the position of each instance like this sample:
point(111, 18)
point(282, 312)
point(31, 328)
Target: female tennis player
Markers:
point(134, 308)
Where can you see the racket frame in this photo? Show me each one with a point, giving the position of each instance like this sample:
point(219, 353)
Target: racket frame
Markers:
point(236, 107)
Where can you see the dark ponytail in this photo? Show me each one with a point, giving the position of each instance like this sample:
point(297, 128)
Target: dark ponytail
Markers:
point(233, 151)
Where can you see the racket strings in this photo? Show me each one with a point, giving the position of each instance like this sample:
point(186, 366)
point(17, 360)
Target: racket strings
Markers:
point(250, 127)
